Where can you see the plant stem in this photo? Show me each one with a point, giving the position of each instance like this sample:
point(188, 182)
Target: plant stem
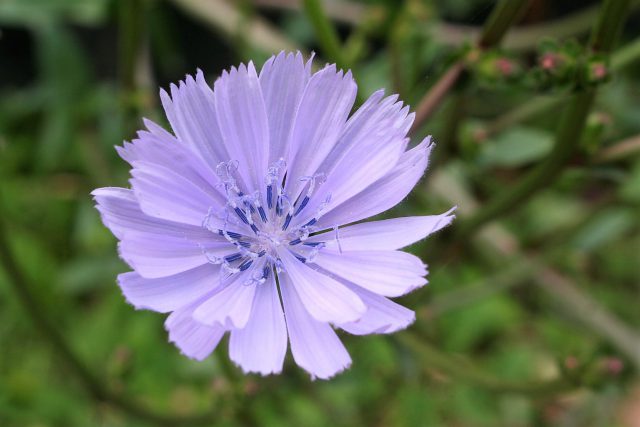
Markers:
point(502, 17)
point(567, 137)
point(325, 32)
point(465, 371)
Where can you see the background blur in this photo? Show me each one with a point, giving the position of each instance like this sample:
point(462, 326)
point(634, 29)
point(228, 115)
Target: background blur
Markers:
point(532, 314)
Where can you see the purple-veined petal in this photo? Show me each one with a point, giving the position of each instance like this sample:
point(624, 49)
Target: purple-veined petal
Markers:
point(283, 79)
point(383, 316)
point(122, 215)
point(323, 297)
point(231, 305)
point(262, 344)
point(194, 339)
point(242, 118)
point(163, 193)
point(154, 256)
point(383, 194)
point(320, 119)
point(169, 293)
point(192, 114)
point(388, 273)
point(385, 235)
point(315, 346)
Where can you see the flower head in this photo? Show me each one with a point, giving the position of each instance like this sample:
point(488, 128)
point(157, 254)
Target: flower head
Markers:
point(235, 223)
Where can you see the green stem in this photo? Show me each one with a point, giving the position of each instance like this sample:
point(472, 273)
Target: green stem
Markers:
point(18, 281)
point(325, 32)
point(465, 371)
point(504, 15)
point(130, 31)
point(567, 137)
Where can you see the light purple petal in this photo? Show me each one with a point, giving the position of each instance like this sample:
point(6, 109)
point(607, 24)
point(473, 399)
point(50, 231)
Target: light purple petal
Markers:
point(262, 344)
point(385, 235)
point(192, 114)
point(169, 293)
point(321, 117)
point(163, 193)
point(231, 306)
point(383, 316)
point(242, 118)
point(154, 256)
point(383, 194)
point(122, 215)
point(388, 273)
point(315, 346)
point(194, 340)
point(324, 298)
point(283, 79)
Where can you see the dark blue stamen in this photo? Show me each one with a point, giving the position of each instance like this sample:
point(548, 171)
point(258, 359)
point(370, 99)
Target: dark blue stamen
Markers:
point(241, 214)
point(245, 265)
point(265, 272)
point(313, 244)
point(287, 221)
point(263, 215)
point(270, 196)
point(301, 258)
point(313, 221)
point(233, 257)
point(262, 253)
point(279, 206)
point(254, 228)
point(245, 244)
point(230, 234)
point(295, 242)
point(302, 204)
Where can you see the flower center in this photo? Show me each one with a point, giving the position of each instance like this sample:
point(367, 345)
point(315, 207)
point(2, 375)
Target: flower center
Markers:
point(258, 225)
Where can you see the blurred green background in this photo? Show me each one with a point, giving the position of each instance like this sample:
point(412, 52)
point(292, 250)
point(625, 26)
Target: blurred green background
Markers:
point(532, 314)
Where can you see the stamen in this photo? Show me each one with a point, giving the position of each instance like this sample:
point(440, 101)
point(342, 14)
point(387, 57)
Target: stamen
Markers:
point(287, 221)
point(263, 215)
point(245, 265)
point(302, 205)
point(270, 196)
point(233, 257)
point(265, 271)
point(295, 242)
point(230, 234)
point(300, 258)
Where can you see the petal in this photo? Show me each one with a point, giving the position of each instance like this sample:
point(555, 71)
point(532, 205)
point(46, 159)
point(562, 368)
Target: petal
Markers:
point(321, 117)
point(370, 147)
point(283, 79)
point(242, 118)
point(383, 194)
point(163, 193)
point(122, 215)
point(262, 344)
point(315, 346)
point(383, 316)
point(192, 114)
point(388, 273)
point(154, 256)
point(169, 293)
point(194, 340)
point(231, 306)
point(324, 298)
point(385, 235)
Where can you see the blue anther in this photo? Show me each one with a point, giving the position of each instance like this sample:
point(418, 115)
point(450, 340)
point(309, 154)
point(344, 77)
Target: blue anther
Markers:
point(265, 271)
point(287, 221)
point(295, 242)
point(262, 213)
point(301, 258)
point(302, 205)
point(262, 253)
point(241, 214)
point(313, 244)
point(231, 234)
point(313, 221)
point(279, 206)
point(233, 257)
point(254, 228)
point(245, 265)
point(245, 244)
point(270, 196)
